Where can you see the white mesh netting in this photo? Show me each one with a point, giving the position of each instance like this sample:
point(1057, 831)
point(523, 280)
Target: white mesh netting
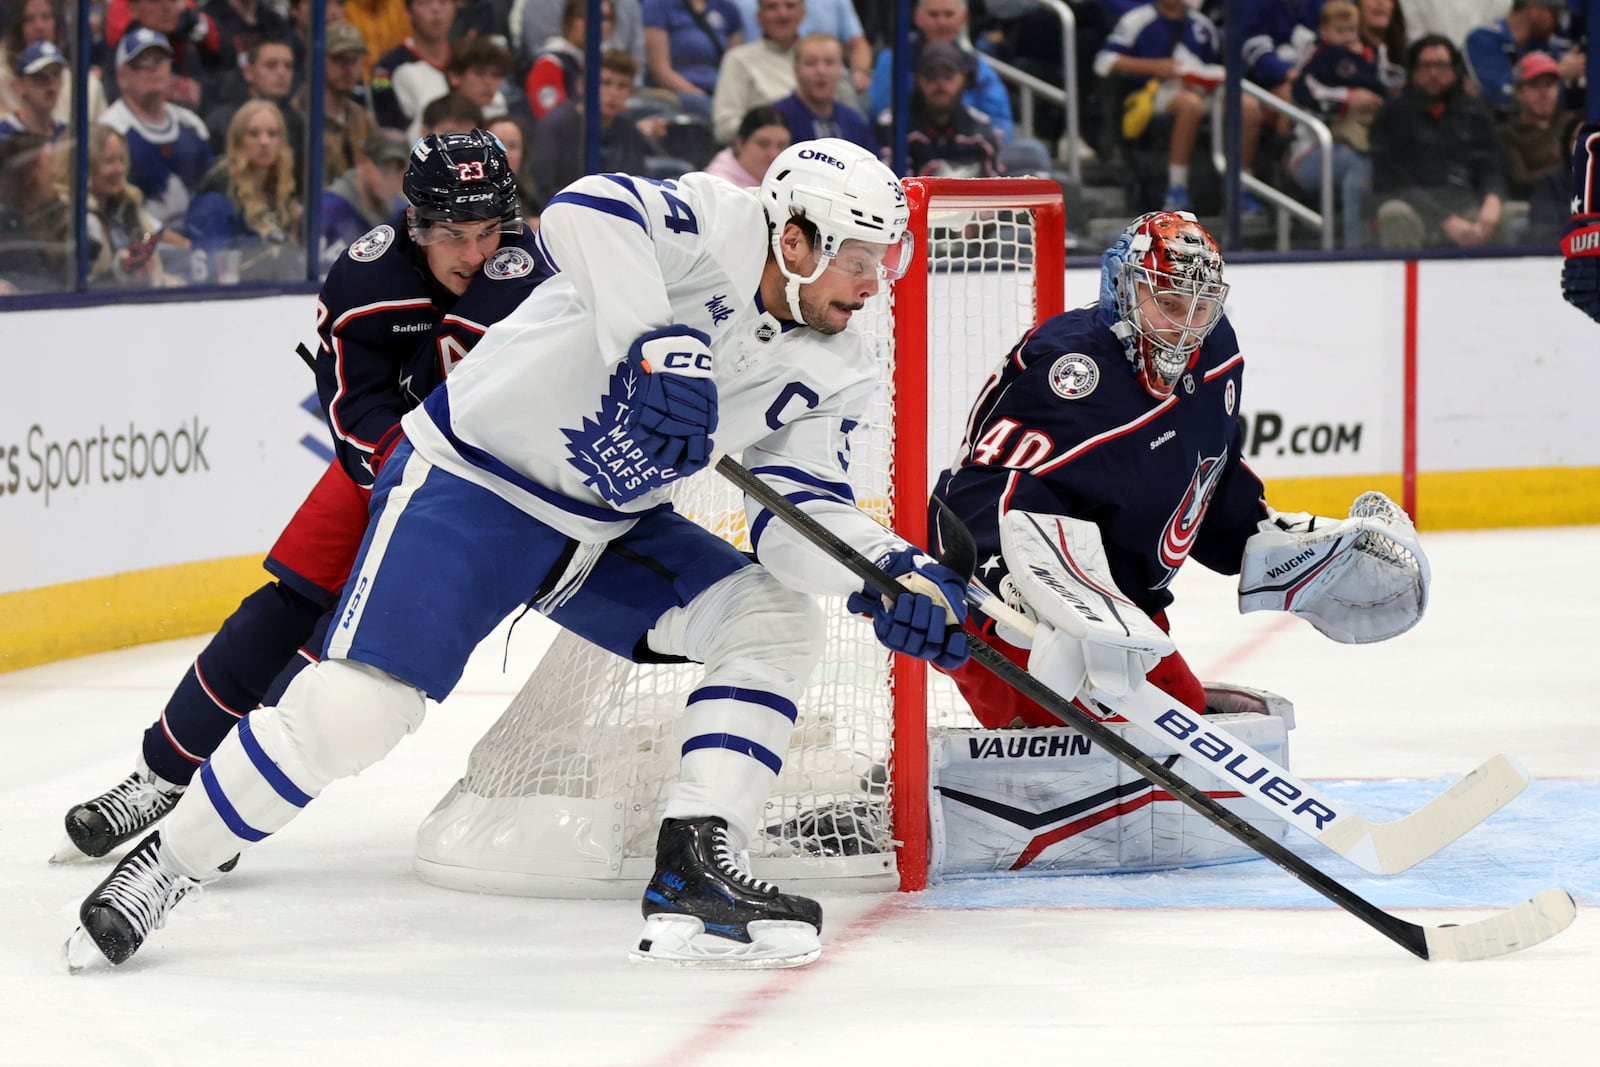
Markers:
point(564, 793)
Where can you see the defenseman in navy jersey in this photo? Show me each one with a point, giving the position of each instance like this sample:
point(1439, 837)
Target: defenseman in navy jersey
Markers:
point(1124, 414)
point(398, 311)
point(537, 473)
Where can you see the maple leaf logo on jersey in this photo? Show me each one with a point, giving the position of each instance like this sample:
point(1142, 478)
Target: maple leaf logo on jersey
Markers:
point(1184, 525)
point(604, 450)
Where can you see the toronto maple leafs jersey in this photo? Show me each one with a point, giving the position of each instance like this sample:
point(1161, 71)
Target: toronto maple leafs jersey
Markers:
point(389, 333)
point(525, 415)
point(1064, 427)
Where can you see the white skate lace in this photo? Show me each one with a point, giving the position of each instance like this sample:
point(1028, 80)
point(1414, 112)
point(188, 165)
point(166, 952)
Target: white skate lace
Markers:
point(144, 891)
point(133, 804)
point(727, 861)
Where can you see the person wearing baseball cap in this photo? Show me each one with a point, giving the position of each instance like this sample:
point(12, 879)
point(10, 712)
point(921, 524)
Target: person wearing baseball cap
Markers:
point(947, 136)
point(41, 72)
point(137, 42)
point(169, 150)
point(1493, 51)
point(366, 194)
point(346, 122)
point(1532, 136)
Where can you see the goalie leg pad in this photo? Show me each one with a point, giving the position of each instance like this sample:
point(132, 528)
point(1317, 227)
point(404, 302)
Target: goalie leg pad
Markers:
point(1051, 801)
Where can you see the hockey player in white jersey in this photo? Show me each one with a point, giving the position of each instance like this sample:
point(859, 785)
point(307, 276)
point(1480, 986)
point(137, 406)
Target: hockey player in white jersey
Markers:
point(684, 316)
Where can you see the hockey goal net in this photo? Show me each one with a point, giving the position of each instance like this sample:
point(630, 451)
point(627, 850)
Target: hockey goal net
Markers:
point(563, 795)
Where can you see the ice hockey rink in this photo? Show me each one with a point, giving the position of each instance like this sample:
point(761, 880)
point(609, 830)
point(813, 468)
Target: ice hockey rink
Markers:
point(323, 947)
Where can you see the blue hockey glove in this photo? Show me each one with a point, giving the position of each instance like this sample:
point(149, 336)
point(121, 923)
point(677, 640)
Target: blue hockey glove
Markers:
point(1580, 274)
point(675, 407)
point(655, 421)
point(919, 622)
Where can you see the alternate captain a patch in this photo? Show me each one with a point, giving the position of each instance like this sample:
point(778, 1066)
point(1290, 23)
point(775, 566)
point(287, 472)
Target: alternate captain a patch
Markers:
point(372, 244)
point(509, 263)
point(1074, 376)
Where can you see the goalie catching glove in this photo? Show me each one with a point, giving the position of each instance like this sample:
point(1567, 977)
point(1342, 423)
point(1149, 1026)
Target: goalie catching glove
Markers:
point(924, 621)
point(1087, 637)
point(1357, 580)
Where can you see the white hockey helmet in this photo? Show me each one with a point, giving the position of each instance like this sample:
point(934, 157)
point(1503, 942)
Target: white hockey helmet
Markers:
point(847, 194)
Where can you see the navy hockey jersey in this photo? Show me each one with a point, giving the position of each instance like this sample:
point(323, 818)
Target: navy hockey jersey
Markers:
point(1064, 427)
point(389, 333)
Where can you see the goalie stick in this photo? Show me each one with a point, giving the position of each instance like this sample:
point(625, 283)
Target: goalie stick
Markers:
point(1528, 923)
point(1380, 848)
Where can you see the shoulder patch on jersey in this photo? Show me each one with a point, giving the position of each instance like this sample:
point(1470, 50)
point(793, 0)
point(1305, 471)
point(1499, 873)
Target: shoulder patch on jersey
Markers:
point(509, 263)
point(1074, 376)
point(372, 244)
point(1229, 397)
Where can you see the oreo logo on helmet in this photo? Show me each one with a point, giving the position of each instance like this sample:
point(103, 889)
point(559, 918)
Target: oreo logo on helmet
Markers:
point(372, 244)
point(509, 263)
point(820, 157)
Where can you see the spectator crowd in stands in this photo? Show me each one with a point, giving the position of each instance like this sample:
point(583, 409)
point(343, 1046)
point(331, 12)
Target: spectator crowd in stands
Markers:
point(1451, 121)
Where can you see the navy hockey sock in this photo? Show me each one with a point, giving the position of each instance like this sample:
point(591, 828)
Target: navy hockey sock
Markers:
point(228, 679)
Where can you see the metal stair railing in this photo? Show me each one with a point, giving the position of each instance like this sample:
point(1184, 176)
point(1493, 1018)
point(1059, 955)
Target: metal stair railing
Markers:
point(1288, 207)
point(1030, 86)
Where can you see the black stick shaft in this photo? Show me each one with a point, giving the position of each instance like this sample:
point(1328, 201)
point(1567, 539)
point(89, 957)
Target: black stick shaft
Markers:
point(1407, 935)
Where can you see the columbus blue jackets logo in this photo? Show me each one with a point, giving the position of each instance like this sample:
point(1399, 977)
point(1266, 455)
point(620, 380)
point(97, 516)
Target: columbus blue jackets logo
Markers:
point(1184, 525)
point(372, 244)
point(1074, 376)
point(509, 263)
point(1230, 397)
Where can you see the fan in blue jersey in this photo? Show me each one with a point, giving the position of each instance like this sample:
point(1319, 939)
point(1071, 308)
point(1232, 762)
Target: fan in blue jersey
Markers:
point(684, 314)
point(399, 309)
point(1124, 415)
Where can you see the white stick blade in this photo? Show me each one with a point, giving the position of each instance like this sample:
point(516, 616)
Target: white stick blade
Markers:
point(1537, 919)
point(1392, 847)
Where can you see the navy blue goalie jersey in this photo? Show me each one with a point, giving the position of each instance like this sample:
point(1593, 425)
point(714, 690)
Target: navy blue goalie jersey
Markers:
point(389, 334)
point(1064, 427)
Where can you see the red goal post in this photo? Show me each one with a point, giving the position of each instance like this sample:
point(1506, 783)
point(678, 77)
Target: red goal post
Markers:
point(915, 319)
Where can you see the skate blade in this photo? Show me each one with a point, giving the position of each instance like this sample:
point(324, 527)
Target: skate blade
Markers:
point(67, 852)
point(682, 941)
point(81, 954)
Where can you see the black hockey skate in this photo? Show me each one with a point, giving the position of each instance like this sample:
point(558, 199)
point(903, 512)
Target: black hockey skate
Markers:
point(123, 910)
point(120, 814)
point(702, 909)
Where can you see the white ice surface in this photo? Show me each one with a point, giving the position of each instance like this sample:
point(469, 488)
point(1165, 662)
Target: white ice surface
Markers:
point(324, 948)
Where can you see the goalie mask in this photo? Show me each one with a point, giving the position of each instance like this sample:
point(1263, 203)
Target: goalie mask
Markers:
point(848, 195)
point(460, 177)
point(1161, 288)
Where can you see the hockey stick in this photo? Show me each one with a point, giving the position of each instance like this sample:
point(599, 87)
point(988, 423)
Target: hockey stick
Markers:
point(1511, 930)
point(1381, 848)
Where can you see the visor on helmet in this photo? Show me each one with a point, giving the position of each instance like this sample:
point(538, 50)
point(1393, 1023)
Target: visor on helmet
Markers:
point(859, 259)
point(438, 231)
